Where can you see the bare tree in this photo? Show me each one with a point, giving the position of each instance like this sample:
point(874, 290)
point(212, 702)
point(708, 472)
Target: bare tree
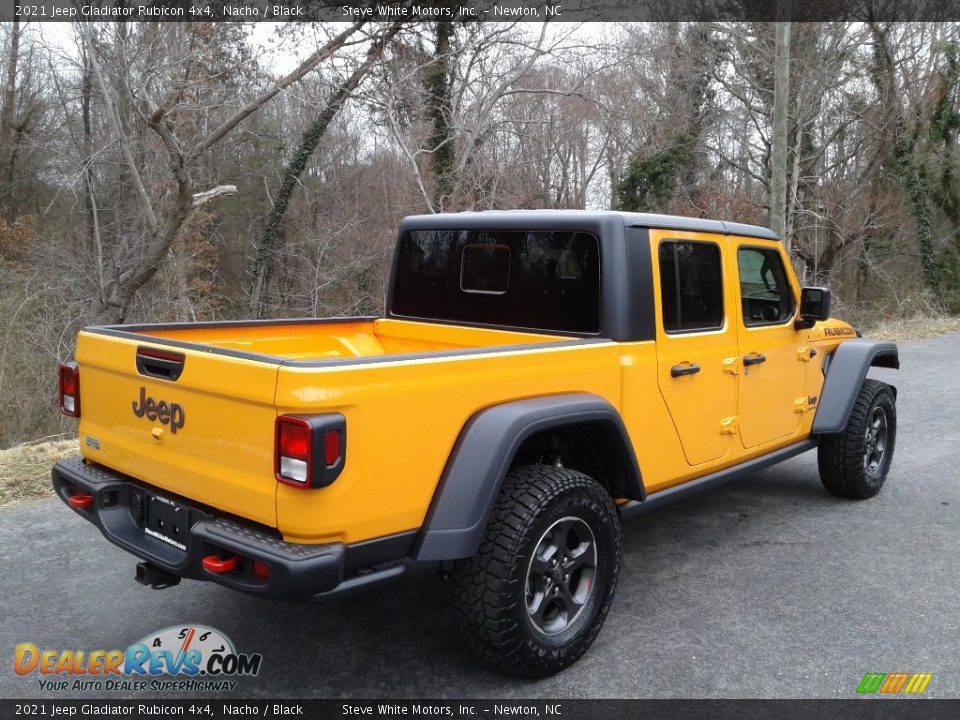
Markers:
point(443, 107)
point(119, 157)
point(160, 116)
point(308, 145)
point(781, 105)
point(7, 115)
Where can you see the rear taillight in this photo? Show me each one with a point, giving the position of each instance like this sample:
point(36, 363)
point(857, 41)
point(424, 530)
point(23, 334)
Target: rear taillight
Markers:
point(70, 390)
point(294, 454)
point(309, 449)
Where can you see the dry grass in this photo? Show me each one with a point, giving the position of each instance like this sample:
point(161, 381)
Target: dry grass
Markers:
point(25, 470)
point(915, 328)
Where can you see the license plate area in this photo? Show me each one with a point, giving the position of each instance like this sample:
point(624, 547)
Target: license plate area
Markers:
point(167, 521)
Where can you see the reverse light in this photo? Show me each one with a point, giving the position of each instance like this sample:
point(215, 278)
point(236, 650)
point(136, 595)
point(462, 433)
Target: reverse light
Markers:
point(309, 449)
point(70, 389)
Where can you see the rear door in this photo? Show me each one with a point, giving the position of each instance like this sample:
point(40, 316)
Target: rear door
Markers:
point(696, 337)
point(774, 365)
point(198, 424)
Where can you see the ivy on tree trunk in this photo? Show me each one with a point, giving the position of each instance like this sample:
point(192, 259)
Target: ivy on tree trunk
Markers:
point(291, 175)
point(436, 81)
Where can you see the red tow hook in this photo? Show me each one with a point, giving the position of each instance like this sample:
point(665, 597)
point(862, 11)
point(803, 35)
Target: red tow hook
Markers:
point(80, 500)
point(216, 564)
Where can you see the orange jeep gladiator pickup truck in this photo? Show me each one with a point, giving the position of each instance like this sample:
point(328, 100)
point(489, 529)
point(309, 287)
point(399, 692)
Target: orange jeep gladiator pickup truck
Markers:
point(537, 377)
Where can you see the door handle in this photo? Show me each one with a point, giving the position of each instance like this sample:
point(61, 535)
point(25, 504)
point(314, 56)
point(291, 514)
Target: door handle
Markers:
point(754, 359)
point(678, 370)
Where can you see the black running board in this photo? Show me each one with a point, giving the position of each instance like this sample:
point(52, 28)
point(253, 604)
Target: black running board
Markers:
point(716, 479)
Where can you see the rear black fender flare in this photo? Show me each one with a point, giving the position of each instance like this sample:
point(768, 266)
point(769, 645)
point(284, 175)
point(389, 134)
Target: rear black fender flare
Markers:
point(483, 453)
point(846, 370)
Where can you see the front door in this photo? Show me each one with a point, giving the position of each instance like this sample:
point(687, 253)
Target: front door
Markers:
point(696, 336)
point(770, 403)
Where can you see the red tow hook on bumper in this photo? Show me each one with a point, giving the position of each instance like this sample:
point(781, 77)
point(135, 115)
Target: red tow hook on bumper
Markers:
point(80, 500)
point(215, 564)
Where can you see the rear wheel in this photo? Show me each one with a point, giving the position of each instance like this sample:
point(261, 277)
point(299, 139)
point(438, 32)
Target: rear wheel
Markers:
point(855, 462)
point(538, 591)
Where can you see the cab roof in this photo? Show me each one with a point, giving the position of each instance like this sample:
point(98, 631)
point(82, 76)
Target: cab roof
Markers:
point(565, 219)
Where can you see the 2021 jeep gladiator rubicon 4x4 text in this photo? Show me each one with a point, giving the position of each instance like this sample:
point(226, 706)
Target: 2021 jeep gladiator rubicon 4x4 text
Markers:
point(537, 377)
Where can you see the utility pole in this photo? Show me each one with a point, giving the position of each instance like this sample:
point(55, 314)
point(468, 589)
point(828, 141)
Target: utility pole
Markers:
point(781, 101)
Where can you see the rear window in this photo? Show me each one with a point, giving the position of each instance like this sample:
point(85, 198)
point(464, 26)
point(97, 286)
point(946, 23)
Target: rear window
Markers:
point(539, 280)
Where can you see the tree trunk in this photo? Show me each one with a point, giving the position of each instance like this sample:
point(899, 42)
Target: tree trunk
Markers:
point(6, 120)
point(90, 198)
point(781, 104)
point(121, 291)
point(903, 153)
point(291, 176)
point(436, 80)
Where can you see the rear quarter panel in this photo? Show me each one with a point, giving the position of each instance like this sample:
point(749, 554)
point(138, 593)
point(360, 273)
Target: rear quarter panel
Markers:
point(403, 418)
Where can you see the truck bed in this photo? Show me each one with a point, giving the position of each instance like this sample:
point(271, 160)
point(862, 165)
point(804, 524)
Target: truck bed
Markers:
point(319, 340)
point(396, 382)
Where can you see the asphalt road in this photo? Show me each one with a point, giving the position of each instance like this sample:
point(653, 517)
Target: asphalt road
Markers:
point(768, 587)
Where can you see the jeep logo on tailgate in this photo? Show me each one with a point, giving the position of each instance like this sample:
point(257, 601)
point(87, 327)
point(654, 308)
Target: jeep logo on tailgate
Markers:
point(166, 413)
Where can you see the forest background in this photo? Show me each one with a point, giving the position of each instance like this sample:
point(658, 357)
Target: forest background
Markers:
point(203, 171)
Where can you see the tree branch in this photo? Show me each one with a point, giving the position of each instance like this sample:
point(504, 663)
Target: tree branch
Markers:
point(202, 198)
point(132, 167)
point(251, 107)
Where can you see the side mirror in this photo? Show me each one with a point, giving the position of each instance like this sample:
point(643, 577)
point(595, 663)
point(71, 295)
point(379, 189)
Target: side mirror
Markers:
point(814, 306)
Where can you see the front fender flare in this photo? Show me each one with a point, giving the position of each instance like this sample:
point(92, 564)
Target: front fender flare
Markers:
point(846, 372)
point(483, 453)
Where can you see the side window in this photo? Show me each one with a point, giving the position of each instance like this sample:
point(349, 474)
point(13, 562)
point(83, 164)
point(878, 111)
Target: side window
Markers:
point(691, 286)
point(765, 292)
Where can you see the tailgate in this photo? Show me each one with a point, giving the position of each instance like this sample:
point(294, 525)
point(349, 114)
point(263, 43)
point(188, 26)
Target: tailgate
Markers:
point(204, 432)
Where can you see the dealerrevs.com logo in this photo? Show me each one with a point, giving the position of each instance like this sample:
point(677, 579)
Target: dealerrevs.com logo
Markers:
point(180, 658)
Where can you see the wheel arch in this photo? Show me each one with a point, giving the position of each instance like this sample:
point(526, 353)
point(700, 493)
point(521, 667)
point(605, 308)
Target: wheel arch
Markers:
point(846, 369)
point(491, 441)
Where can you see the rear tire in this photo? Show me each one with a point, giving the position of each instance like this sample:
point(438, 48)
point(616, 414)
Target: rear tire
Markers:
point(854, 463)
point(534, 597)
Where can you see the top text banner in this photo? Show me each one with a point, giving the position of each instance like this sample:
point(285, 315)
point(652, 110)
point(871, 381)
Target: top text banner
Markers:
point(477, 10)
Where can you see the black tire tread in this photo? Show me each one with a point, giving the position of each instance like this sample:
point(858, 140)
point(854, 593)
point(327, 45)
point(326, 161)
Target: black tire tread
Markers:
point(484, 585)
point(840, 456)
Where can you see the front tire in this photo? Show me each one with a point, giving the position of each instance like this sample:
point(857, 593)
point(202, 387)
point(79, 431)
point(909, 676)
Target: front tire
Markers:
point(534, 597)
point(854, 463)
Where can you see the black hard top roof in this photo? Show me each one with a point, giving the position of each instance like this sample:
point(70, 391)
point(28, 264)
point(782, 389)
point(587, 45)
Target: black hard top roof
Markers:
point(565, 219)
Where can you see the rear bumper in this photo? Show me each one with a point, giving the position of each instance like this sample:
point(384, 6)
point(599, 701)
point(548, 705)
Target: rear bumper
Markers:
point(297, 571)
